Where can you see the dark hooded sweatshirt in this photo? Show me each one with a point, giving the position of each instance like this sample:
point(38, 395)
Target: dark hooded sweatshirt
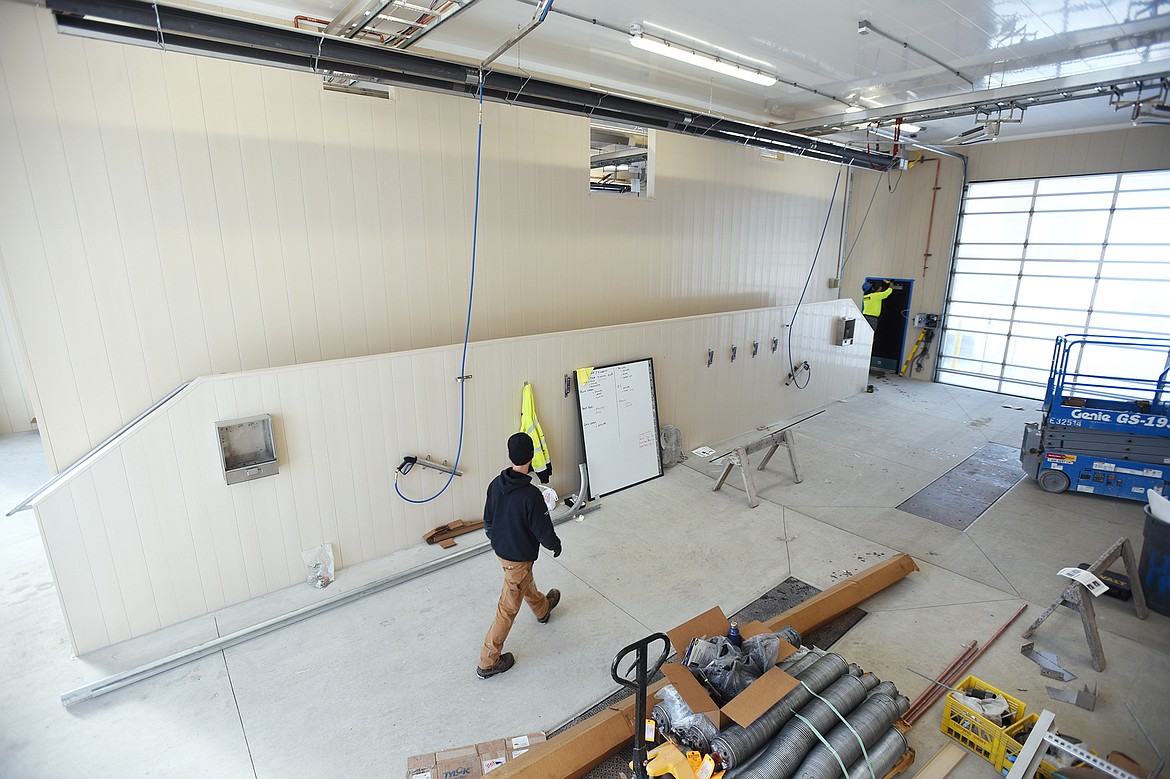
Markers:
point(516, 520)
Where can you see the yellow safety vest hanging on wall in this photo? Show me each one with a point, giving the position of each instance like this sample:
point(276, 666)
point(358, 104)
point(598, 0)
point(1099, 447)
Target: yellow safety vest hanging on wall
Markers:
point(541, 459)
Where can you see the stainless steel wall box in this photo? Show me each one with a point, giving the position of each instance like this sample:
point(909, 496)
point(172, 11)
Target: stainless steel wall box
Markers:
point(246, 448)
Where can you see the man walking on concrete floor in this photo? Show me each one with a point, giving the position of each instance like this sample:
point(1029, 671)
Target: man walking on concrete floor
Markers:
point(518, 524)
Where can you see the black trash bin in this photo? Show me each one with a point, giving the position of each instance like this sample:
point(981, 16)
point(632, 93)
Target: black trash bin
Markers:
point(1154, 568)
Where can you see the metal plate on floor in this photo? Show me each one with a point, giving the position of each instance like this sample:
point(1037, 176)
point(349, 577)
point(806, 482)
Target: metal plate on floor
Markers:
point(958, 497)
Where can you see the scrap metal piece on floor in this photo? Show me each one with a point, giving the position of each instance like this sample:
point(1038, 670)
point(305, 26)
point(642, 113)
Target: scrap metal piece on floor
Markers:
point(1048, 662)
point(961, 495)
point(1076, 597)
point(1080, 698)
point(738, 457)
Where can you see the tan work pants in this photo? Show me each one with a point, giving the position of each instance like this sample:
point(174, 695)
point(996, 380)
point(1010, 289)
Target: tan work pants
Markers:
point(518, 586)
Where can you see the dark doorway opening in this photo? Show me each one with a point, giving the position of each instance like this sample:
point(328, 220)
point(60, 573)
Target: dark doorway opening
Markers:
point(889, 339)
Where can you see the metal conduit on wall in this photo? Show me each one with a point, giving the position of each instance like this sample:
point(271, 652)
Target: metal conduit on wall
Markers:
point(736, 744)
point(784, 753)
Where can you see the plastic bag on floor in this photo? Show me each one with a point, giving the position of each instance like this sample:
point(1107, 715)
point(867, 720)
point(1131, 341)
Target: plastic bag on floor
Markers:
point(319, 565)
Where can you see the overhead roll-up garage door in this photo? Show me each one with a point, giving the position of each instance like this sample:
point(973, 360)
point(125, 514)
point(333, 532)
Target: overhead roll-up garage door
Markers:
point(1037, 258)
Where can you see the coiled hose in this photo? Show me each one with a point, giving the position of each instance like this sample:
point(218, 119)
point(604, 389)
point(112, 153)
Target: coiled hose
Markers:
point(784, 753)
point(798, 663)
point(870, 721)
point(882, 756)
point(736, 744)
point(884, 688)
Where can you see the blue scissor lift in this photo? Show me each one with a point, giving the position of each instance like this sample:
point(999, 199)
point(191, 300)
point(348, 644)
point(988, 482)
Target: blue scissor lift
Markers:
point(1108, 435)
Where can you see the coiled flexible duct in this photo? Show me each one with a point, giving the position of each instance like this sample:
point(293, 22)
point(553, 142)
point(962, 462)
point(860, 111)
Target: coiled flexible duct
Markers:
point(736, 744)
point(784, 753)
point(882, 756)
point(798, 663)
point(870, 720)
point(884, 688)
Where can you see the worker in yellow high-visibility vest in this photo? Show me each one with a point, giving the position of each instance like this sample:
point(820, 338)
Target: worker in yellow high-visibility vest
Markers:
point(872, 301)
point(541, 459)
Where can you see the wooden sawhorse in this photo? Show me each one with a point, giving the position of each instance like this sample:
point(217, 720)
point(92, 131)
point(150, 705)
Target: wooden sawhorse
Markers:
point(1077, 598)
point(739, 457)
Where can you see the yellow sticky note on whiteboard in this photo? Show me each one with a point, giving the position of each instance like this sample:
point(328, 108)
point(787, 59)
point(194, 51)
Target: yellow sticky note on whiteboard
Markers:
point(583, 375)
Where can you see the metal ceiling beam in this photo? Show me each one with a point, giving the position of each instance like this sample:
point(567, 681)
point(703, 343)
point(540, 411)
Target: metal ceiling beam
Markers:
point(1058, 90)
point(197, 32)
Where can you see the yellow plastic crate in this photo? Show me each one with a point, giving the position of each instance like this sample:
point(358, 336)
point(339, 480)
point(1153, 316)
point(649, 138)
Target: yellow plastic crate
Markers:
point(970, 728)
point(1011, 742)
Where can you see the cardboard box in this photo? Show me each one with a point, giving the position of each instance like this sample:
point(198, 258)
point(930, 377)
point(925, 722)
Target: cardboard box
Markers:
point(492, 754)
point(470, 762)
point(518, 745)
point(746, 707)
point(421, 767)
point(458, 763)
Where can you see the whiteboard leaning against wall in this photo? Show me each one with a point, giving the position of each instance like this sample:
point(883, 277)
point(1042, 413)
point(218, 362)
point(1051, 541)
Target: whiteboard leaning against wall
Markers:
point(619, 425)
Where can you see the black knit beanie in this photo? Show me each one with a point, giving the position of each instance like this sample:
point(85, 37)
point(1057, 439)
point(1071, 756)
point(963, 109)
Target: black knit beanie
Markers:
point(520, 449)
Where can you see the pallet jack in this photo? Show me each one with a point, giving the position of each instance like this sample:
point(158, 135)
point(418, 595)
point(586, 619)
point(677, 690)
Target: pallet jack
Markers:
point(665, 758)
point(643, 729)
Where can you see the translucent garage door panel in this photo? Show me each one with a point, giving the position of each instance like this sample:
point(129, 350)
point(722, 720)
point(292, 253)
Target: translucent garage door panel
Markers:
point(1074, 184)
point(1149, 297)
point(999, 205)
point(1128, 324)
point(990, 251)
point(1143, 225)
point(978, 288)
point(994, 228)
point(1066, 293)
point(1063, 251)
point(1096, 258)
point(1001, 189)
point(1069, 227)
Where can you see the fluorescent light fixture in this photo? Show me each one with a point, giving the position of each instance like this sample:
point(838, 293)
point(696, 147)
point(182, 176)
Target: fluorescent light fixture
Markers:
point(910, 128)
point(683, 54)
point(853, 109)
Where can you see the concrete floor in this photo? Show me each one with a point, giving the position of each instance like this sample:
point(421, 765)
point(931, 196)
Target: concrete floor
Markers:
point(354, 691)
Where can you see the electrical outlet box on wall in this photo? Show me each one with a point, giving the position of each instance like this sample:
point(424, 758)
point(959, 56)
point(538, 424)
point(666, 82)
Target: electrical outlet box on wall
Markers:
point(247, 449)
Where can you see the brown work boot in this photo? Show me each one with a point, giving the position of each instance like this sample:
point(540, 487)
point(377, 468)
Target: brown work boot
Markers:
point(505, 662)
point(554, 597)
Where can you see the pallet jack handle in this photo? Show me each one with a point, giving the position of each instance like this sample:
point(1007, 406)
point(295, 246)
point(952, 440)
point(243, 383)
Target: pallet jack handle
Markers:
point(638, 685)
